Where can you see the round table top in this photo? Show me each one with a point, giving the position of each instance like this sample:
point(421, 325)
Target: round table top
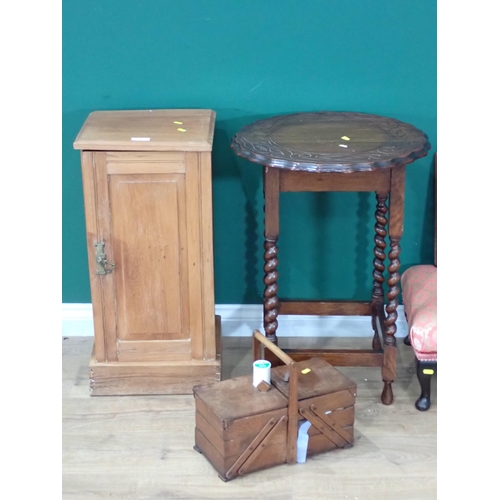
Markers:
point(330, 142)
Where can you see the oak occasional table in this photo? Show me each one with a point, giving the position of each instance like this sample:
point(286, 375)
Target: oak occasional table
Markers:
point(337, 151)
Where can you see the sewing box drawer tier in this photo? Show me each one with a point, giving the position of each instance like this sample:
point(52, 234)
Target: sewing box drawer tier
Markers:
point(235, 422)
point(148, 210)
point(326, 398)
point(241, 429)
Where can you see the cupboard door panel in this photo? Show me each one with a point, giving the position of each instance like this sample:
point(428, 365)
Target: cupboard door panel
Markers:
point(148, 230)
point(154, 350)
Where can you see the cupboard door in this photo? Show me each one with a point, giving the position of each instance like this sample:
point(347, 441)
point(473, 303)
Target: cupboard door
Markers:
point(148, 232)
point(141, 219)
point(148, 228)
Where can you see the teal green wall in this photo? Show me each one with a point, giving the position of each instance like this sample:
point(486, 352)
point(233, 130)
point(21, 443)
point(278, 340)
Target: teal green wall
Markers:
point(250, 59)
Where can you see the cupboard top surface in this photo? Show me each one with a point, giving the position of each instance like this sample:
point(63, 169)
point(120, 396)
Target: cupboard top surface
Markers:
point(148, 130)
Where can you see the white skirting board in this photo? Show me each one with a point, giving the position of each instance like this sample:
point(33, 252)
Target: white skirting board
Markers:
point(240, 320)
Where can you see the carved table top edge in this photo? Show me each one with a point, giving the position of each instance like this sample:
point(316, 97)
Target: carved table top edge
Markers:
point(254, 143)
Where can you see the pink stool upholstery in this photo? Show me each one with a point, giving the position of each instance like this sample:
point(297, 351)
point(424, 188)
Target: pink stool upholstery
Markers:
point(419, 285)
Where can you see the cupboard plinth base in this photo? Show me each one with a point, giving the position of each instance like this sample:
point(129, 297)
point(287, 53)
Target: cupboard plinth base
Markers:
point(148, 378)
point(153, 377)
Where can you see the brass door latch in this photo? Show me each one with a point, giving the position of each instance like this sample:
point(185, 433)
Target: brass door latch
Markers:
point(103, 266)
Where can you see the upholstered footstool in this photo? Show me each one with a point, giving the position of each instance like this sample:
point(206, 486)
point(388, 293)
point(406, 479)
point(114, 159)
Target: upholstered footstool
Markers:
point(419, 285)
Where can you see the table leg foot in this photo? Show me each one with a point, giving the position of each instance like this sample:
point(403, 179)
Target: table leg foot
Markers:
point(387, 396)
point(425, 370)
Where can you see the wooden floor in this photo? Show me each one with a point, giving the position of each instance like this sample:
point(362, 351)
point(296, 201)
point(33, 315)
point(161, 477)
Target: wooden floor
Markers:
point(142, 447)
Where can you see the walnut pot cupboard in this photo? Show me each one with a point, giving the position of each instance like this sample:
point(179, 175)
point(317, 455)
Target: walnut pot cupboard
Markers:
point(148, 212)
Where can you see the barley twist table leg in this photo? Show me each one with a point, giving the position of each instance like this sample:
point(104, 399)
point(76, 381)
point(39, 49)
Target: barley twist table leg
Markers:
point(389, 363)
point(271, 290)
point(392, 293)
point(271, 233)
point(378, 261)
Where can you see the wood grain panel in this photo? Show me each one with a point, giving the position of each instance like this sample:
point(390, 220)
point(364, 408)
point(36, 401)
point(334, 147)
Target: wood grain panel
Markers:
point(334, 181)
point(272, 203)
point(344, 417)
point(396, 201)
point(339, 357)
point(104, 236)
point(325, 308)
point(207, 257)
point(150, 262)
point(230, 447)
point(154, 350)
point(116, 130)
point(334, 401)
point(233, 429)
point(151, 162)
point(213, 456)
point(273, 455)
point(194, 246)
point(389, 363)
point(135, 378)
point(320, 443)
point(146, 168)
point(144, 157)
point(90, 200)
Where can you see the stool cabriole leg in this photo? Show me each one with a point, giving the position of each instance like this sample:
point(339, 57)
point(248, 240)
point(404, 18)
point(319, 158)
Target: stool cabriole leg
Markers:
point(425, 370)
